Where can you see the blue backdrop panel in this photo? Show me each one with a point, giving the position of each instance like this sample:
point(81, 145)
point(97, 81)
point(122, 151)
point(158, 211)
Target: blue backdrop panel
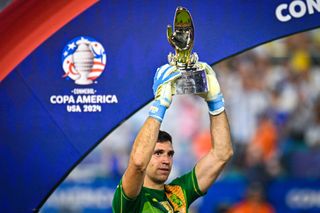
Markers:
point(34, 151)
point(42, 140)
point(295, 195)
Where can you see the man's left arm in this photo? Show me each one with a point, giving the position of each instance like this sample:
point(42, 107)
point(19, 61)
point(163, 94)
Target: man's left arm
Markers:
point(210, 166)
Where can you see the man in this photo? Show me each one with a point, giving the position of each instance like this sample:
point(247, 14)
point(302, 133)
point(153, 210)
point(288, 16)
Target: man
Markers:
point(142, 187)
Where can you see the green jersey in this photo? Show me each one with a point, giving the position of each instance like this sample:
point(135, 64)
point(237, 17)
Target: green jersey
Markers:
point(176, 197)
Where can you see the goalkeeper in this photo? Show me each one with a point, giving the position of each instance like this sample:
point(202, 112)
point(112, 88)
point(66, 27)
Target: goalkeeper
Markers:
point(142, 187)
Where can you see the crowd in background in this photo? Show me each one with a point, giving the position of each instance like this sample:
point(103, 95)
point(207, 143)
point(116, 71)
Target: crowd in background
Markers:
point(272, 97)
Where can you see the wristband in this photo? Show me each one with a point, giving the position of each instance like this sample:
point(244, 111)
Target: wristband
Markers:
point(216, 106)
point(157, 110)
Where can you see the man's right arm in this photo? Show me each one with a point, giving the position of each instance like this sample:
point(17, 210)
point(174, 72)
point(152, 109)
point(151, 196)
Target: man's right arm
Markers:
point(140, 156)
point(146, 139)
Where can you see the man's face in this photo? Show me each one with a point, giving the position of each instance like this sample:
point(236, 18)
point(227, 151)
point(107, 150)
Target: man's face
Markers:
point(160, 165)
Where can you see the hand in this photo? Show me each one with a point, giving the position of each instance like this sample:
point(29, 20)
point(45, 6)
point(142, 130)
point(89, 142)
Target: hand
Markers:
point(179, 39)
point(163, 88)
point(214, 96)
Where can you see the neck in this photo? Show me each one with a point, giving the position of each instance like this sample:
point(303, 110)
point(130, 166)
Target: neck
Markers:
point(152, 185)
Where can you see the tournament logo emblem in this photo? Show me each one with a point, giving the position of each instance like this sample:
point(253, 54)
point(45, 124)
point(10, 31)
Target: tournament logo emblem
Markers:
point(83, 60)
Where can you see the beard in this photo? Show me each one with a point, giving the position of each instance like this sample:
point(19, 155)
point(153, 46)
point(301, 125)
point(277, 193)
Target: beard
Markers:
point(159, 176)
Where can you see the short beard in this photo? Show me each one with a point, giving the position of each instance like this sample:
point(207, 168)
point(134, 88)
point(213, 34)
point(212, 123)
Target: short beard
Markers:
point(158, 181)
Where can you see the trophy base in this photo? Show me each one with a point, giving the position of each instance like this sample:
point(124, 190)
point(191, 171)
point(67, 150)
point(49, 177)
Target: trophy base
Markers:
point(83, 81)
point(192, 82)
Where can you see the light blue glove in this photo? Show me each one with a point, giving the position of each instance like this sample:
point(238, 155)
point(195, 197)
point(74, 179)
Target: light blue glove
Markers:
point(214, 96)
point(163, 88)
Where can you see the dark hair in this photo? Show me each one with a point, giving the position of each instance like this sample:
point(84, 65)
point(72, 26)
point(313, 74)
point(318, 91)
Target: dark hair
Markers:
point(164, 137)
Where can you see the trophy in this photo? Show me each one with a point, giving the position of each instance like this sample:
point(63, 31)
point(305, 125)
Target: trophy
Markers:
point(83, 61)
point(193, 79)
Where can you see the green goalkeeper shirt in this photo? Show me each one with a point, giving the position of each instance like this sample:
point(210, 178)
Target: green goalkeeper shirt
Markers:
point(177, 196)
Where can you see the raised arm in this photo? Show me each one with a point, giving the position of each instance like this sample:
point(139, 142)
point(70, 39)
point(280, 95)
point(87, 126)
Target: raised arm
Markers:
point(211, 165)
point(146, 139)
point(140, 156)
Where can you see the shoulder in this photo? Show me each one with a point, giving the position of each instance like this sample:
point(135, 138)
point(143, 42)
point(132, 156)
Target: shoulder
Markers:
point(121, 202)
point(189, 182)
point(180, 179)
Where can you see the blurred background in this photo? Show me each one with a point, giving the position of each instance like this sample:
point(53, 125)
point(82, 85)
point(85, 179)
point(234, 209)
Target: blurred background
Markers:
point(272, 97)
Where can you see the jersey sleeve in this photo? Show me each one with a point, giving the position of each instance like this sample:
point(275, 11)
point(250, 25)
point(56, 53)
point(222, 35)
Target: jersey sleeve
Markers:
point(123, 204)
point(189, 185)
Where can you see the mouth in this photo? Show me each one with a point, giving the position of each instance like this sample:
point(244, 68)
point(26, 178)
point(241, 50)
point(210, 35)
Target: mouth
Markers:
point(164, 170)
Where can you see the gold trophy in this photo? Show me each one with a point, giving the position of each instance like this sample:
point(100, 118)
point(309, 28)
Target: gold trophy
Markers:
point(193, 79)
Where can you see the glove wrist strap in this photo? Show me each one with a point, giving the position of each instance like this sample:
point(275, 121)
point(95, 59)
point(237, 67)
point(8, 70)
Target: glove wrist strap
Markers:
point(157, 110)
point(216, 105)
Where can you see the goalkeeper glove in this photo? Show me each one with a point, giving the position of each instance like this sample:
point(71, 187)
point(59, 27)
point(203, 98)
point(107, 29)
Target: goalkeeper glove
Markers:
point(163, 88)
point(214, 96)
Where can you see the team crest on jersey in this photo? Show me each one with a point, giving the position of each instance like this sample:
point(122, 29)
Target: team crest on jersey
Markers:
point(83, 60)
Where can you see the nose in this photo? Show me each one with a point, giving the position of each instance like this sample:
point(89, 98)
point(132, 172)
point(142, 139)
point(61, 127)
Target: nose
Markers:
point(166, 160)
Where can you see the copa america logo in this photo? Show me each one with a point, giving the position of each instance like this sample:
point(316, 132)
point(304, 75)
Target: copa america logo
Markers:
point(83, 60)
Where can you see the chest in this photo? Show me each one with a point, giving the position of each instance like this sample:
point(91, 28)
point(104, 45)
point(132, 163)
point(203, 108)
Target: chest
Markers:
point(156, 205)
point(164, 201)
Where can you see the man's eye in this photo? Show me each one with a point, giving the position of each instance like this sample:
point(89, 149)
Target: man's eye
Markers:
point(157, 153)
